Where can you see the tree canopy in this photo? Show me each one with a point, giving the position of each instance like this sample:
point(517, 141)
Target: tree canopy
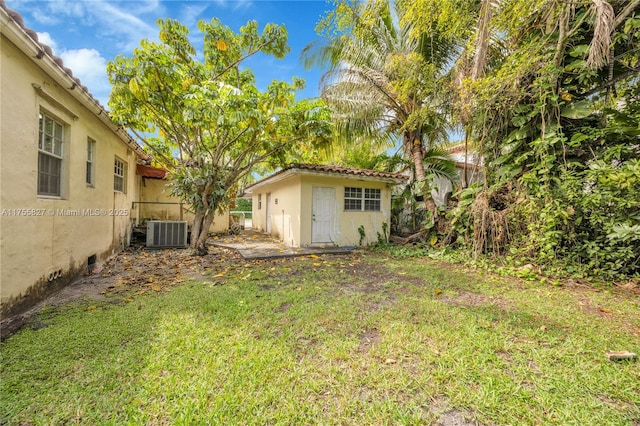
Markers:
point(546, 91)
point(201, 115)
point(549, 92)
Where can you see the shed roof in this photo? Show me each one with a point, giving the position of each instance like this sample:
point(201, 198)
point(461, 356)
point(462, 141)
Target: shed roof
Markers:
point(150, 171)
point(328, 170)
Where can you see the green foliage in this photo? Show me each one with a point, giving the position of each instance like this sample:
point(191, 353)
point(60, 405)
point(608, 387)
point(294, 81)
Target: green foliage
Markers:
point(201, 115)
point(361, 231)
point(384, 237)
point(382, 82)
point(557, 121)
point(243, 204)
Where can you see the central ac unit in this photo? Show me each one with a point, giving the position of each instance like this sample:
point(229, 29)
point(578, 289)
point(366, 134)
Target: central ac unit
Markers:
point(166, 234)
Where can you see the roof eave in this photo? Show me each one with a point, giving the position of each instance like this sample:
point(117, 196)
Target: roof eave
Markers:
point(19, 37)
point(285, 174)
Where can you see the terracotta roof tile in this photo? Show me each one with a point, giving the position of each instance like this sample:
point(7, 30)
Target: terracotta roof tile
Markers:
point(150, 171)
point(46, 50)
point(344, 170)
point(337, 170)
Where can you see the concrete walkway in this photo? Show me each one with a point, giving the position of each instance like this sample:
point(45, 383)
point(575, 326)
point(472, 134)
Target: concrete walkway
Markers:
point(256, 245)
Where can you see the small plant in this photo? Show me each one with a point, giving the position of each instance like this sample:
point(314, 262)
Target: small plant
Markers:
point(362, 234)
point(384, 237)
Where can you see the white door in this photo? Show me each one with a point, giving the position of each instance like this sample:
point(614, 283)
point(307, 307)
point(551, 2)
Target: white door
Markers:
point(323, 211)
point(267, 210)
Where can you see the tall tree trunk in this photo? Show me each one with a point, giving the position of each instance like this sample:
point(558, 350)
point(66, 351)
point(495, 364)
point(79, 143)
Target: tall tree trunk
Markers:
point(482, 41)
point(196, 227)
point(200, 246)
point(465, 182)
point(417, 154)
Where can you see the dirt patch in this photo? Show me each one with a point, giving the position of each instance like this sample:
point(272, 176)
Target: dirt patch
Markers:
point(504, 356)
point(382, 304)
point(475, 300)
point(368, 339)
point(284, 307)
point(455, 418)
point(134, 271)
point(448, 416)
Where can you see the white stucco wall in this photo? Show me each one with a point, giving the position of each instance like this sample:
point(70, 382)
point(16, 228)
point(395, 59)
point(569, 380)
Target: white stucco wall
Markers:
point(45, 241)
point(291, 218)
point(284, 209)
point(156, 191)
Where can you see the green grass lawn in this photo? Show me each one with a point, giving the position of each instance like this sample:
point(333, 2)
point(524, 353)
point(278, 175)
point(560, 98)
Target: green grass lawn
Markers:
point(363, 339)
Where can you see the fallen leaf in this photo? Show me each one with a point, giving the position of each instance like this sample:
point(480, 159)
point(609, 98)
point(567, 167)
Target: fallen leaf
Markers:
point(91, 308)
point(620, 355)
point(390, 361)
point(316, 264)
point(543, 328)
point(605, 311)
point(438, 291)
point(313, 256)
point(221, 274)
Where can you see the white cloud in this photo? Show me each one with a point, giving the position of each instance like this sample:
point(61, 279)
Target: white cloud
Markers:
point(243, 5)
point(91, 68)
point(190, 15)
point(121, 24)
point(45, 38)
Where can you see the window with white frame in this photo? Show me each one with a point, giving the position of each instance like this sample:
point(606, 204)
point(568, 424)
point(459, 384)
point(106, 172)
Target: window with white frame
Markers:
point(259, 201)
point(371, 200)
point(50, 150)
point(361, 199)
point(119, 175)
point(353, 199)
point(91, 152)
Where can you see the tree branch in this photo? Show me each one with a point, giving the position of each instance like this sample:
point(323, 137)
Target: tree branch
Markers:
point(610, 83)
point(626, 12)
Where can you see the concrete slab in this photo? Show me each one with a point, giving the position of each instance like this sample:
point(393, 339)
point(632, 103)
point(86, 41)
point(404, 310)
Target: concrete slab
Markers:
point(256, 245)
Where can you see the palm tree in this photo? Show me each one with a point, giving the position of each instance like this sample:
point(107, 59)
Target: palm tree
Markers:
point(382, 81)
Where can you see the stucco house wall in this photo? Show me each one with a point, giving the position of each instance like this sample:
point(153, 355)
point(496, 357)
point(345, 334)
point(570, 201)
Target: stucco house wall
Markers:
point(347, 223)
point(48, 240)
point(154, 191)
point(286, 199)
point(279, 203)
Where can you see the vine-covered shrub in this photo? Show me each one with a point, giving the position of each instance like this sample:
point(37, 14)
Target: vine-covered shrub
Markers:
point(557, 118)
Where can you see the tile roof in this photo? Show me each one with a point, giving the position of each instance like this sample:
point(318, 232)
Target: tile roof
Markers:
point(46, 51)
point(337, 170)
point(150, 171)
point(344, 170)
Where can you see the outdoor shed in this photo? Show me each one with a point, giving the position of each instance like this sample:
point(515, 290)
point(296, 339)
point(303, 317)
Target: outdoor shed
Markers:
point(308, 204)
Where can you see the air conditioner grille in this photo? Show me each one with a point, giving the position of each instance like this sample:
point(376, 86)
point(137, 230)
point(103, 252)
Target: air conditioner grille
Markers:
point(166, 234)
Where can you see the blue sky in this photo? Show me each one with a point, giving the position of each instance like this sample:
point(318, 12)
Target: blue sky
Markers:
point(88, 33)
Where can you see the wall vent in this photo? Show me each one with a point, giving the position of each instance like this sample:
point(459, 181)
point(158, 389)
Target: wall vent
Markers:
point(166, 234)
